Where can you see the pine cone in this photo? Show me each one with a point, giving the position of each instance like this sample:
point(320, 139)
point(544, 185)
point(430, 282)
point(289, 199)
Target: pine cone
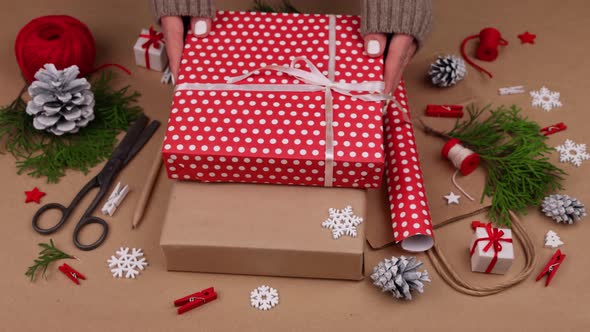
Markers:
point(447, 71)
point(563, 209)
point(60, 103)
point(399, 276)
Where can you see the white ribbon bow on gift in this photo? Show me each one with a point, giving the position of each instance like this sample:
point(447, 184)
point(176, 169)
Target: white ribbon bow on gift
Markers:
point(315, 80)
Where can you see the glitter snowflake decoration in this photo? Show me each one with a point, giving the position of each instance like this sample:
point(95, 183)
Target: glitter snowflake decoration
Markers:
point(546, 99)
point(572, 152)
point(264, 298)
point(342, 222)
point(127, 264)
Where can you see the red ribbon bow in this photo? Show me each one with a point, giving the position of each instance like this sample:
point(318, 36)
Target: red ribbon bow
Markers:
point(153, 39)
point(494, 238)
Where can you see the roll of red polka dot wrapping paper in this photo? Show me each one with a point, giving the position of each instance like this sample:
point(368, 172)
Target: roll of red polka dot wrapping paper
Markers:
point(263, 129)
point(410, 215)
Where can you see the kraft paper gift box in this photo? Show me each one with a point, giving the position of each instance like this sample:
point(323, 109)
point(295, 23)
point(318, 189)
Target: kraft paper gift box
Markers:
point(261, 230)
point(150, 51)
point(306, 109)
point(491, 250)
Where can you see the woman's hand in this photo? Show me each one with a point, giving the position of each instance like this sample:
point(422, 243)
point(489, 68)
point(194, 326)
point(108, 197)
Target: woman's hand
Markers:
point(401, 50)
point(173, 29)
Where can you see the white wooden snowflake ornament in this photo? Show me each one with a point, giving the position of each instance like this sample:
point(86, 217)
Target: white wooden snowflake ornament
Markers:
point(264, 298)
point(572, 153)
point(127, 264)
point(342, 222)
point(546, 99)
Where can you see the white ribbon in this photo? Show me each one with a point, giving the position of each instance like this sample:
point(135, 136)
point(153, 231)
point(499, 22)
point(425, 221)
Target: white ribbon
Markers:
point(315, 81)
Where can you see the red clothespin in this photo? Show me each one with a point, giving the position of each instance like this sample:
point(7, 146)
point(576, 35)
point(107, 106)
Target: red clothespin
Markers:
point(195, 300)
point(551, 267)
point(74, 275)
point(445, 111)
point(476, 224)
point(550, 130)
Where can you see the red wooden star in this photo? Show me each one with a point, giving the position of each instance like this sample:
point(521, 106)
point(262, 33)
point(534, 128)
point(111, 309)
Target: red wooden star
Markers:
point(527, 38)
point(34, 195)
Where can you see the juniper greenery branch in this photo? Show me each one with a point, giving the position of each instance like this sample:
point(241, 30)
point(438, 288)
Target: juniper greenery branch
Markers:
point(515, 155)
point(47, 255)
point(41, 154)
point(285, 7)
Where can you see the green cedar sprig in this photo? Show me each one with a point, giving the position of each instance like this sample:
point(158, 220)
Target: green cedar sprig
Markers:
point(47, 255)
point(263, 6)
point(42, 154)
point(515, 155)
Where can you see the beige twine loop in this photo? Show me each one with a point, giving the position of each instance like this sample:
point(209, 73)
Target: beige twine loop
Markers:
point(456, 282)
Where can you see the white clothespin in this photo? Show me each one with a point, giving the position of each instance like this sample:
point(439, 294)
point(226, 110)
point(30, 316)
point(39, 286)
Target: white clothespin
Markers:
point(511, 90)
point(167, 76)
point(117, 196)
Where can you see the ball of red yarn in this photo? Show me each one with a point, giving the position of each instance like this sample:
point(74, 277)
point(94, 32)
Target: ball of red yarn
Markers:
point(489, 40)
point(58, 39)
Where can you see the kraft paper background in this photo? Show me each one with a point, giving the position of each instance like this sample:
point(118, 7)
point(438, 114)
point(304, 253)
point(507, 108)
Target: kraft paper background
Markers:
point(558, 60)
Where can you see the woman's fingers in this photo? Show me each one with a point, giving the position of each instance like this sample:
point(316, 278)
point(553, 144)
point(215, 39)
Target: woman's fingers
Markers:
point(200, 26)
point(375, 44)
point(173, 30)
point(401, 49)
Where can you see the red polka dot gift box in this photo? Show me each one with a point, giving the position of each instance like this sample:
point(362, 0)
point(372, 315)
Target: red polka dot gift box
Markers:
point(278, 98)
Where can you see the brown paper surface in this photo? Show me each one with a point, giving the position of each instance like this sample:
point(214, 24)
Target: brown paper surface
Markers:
point(261, 230)
point(558, 60)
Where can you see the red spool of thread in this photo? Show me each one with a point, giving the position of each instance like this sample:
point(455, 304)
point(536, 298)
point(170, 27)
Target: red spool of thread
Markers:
point(462, 158)
point(490, 39)
point(58, 39)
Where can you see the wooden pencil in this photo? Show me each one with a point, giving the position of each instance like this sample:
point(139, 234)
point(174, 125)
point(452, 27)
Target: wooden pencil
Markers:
point(147, 191)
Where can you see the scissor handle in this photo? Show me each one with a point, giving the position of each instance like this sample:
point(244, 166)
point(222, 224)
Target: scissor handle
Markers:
point(85, 221)
point(65, 213)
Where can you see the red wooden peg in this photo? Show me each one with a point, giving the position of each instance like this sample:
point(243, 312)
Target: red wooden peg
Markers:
point(445, 111)
point(74, 275)
point(195, 300)
point(551, 268)
point(550, 130)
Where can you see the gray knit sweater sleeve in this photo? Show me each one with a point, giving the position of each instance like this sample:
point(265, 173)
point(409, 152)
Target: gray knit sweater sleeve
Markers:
point(411, 17)
point(193, 8)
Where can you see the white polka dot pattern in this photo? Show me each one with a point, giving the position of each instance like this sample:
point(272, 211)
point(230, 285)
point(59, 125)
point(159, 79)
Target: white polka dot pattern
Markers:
point(273, 137)
point(410, 214)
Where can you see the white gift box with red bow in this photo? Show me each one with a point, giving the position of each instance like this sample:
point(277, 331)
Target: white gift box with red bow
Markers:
point(491, 250)
point(150, 51)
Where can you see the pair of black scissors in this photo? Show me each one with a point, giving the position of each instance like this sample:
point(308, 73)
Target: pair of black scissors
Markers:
point(137, 136)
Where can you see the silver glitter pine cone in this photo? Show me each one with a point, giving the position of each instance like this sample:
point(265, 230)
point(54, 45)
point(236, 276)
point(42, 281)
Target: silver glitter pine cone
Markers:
point(447, 71)
point(61, 103)
point(563, 208)
point(400, 276)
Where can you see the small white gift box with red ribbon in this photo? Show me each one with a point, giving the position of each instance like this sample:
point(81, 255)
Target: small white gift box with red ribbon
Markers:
point(150, 51)
point(491, 249)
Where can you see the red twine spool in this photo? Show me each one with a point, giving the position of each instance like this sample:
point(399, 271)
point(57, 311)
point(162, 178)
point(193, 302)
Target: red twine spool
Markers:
point(58, 39)
point(462, 158)
point(489, 41)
